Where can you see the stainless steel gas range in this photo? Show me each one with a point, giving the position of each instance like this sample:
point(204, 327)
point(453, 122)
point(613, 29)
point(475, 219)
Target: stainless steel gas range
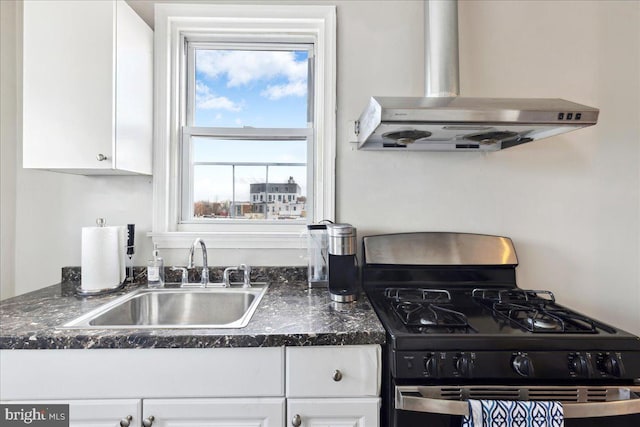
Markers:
point(458, 327)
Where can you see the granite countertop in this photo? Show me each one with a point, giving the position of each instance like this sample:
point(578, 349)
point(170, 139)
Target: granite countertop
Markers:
point(289, 314)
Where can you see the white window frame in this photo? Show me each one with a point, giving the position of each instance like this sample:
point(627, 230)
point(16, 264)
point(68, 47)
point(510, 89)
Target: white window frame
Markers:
point(271, 23)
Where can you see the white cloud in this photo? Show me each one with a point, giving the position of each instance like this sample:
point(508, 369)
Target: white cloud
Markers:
point(207, 100)
point(245, 67)
point(297, 88)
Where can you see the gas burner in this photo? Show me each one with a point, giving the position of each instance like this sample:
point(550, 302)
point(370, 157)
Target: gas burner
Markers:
point(543, 323)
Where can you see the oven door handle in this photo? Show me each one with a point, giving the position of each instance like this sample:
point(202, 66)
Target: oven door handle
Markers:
point(409, 399)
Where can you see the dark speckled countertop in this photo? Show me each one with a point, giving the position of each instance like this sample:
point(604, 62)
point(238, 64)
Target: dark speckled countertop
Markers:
point(289, 314)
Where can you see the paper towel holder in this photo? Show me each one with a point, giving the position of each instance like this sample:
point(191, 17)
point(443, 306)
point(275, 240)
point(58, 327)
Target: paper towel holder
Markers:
point(100, 222)
point(97, 292)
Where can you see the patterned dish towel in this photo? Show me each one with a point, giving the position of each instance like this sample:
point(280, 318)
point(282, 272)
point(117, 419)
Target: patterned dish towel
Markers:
point(507, 413)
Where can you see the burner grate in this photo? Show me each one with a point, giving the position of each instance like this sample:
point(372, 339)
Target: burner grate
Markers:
point(536, 311)
point(424, 310)
point(515, 295)
point(418, 294)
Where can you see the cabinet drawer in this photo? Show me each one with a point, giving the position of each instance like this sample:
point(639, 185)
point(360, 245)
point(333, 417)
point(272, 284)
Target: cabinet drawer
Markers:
point(149, 373)
point(333, 371)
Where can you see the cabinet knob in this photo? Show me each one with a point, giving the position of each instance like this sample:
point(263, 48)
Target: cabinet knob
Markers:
point(126, 421)
point(101, 157)
point(148, 422)
point(337, 375)
point(296, 421)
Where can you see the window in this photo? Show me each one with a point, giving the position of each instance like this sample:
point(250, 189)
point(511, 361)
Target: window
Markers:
point(224, 143)
point(248, 125)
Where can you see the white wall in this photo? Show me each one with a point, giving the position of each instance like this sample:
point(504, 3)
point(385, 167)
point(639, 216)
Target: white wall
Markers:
point(571, 203)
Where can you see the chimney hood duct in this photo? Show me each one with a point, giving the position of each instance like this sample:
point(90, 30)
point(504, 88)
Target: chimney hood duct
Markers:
point(443, 121)
point(442, 76)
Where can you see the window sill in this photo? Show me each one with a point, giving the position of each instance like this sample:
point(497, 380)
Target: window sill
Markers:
point(230, 239)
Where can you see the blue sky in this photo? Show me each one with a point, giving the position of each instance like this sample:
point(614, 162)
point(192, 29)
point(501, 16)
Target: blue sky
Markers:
point(251, 88)
point(248, 88)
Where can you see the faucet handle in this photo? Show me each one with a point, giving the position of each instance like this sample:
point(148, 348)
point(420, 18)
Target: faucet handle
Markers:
point(242, 267)
point(247, 275)
point(225, 276)
point(185, 274)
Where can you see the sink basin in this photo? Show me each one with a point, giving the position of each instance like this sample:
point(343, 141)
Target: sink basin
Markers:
point(176, 308)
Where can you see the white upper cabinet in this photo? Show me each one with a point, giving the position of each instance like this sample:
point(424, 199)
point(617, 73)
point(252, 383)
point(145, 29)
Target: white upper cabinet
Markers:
point(87, 88)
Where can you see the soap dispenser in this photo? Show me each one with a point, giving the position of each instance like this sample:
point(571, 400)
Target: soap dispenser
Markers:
point(155, 269)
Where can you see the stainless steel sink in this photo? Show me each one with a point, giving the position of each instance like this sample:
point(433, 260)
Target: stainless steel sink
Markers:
point(176, 308)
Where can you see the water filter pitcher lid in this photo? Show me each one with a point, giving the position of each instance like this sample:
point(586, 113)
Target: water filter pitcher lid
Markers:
point(341, 230)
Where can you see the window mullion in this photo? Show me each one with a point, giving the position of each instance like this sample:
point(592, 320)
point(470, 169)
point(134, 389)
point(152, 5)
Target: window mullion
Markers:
point(191, 85)
point(186, 178)
point(250, 133)
point(233, 191)
point(196, 41)
point(266, 194)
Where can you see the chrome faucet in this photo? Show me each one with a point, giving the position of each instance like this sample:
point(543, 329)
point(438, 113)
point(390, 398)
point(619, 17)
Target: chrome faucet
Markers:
point(205, 267)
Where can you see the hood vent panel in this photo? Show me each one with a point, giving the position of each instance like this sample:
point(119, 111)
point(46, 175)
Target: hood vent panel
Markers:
point(465, 124)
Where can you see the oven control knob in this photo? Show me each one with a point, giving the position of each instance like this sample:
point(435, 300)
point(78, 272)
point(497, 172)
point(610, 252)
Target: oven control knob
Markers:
point(463, 364)
point(431, 365)
point(523, 365)
point(579, 365)
point(611, 365)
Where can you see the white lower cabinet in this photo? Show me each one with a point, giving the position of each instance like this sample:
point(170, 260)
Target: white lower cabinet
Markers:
point(333, 412)
point(249, 412)
point(333, 386)
point(326, 386)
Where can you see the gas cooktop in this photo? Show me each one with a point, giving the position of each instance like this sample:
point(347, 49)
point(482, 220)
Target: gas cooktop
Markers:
point(452, 309)
point(489, 318)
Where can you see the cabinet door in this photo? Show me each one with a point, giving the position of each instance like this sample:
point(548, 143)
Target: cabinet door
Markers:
point(247, 412)
point(87, 88)
point(96, 413)
point(343, 412)
point(68, 84)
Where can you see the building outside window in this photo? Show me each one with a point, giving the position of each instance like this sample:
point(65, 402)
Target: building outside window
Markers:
point(284, 198)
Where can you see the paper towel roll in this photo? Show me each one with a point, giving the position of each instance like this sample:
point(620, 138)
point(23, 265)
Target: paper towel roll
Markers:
point(103, 257)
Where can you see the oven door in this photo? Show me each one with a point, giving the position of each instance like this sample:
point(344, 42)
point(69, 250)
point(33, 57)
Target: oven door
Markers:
point(584, 406)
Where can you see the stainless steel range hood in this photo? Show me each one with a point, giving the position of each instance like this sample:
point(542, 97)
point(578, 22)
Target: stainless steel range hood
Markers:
point(458, 123)
point(443, 121)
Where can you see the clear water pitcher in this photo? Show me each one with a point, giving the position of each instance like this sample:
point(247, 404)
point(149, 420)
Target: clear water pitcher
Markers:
point(317, 253)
